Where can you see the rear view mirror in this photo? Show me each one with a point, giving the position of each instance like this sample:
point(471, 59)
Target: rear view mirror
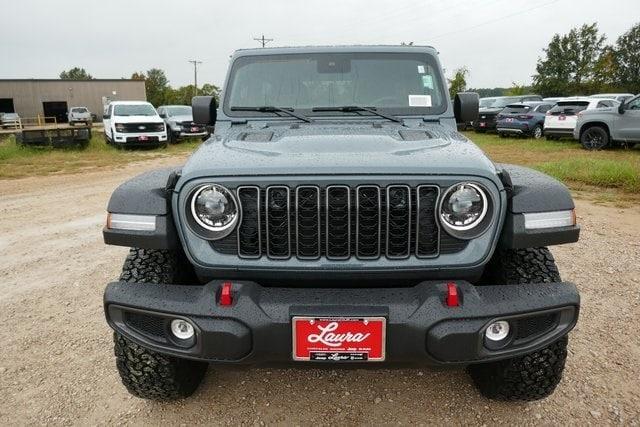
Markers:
point(204, 110)
point(466, 106)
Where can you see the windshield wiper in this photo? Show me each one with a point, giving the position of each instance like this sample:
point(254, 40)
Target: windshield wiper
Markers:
point(356, 108)
point(272, 109)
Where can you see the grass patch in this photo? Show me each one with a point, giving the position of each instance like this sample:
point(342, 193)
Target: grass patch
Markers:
point(17, 161)
point(566, 160)
point(623, 175)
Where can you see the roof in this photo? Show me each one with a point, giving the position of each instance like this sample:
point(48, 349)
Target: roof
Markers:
point(612, 95)
point(334, 49)
point(129, 102)
point(66, 80)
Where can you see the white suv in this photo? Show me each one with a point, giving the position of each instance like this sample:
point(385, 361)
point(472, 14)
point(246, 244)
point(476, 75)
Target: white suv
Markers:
point(560, 121)
point(129, 123)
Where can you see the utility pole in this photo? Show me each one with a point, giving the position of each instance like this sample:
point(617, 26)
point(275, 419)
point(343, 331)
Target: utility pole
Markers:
point(263, 41)
point(195, 63)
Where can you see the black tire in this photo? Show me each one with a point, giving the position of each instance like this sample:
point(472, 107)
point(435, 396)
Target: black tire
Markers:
point(171, 139)
point(537, 132)
point(594, 138)
point(535, 375)
point(502, 135)
point(146, 373)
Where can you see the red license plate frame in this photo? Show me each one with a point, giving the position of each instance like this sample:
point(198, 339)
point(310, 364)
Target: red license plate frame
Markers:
point(143, 138)
point(482, 124)
point(195, 129)
point(339, 339)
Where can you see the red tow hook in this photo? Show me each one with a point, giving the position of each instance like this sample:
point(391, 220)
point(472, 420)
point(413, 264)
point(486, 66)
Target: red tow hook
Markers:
point(225, 298)
point(453, 298)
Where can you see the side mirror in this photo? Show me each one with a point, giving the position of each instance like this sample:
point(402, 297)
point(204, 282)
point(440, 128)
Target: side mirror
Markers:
point(466, 106)
point(106, 116)
point(204, 110)
point(621, 107)
point(163, 116)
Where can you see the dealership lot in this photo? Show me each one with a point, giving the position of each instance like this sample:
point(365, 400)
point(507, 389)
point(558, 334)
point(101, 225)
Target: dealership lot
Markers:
point(56, 364)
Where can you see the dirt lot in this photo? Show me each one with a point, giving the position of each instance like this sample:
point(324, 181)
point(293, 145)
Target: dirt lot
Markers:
point(57, 367)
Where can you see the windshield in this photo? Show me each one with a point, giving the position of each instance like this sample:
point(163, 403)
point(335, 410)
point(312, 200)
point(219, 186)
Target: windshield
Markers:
point(134, 110)
point(502, 102)
point(398, 83)
point(516, 109)
point(486, 102)
point(79, 110)
point(181, 110)
point(569, 107)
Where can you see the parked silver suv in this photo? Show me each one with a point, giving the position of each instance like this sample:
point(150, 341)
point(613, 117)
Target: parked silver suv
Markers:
point(79, 115)
point(601, 128)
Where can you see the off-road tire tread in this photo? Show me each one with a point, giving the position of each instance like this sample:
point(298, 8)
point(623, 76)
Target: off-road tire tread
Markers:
point(146, 373)
point(535, 375)
point(150, 375)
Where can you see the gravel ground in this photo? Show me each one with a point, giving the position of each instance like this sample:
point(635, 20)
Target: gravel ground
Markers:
point(57, 365)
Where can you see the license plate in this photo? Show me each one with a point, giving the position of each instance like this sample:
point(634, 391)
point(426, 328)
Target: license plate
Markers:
point(562, 118)
point(195, 130)
point(322, 339)
point(509, 120)
point(482, 124)
point(143, 138)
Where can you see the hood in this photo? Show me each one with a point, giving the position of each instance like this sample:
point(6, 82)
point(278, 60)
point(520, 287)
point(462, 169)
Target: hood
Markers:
point(181, 118)
point(137, 119)
point(337, 149)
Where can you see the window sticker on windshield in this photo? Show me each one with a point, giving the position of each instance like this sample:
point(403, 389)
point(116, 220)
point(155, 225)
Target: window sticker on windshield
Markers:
point(421, 69)
point(427, 81)
point(419, 101)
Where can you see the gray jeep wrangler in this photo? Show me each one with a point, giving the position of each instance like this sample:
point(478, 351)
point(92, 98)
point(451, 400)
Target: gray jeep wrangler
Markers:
point(336, 216)
point(605, 127)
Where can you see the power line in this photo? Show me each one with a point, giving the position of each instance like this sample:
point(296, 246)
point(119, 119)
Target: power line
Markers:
point(195, 63)
point(263, 41)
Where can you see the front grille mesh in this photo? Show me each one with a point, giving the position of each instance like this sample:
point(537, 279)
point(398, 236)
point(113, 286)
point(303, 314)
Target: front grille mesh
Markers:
point(338, 222)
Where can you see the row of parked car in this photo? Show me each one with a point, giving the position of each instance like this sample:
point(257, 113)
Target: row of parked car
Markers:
point(137, 123)
point(597, 121)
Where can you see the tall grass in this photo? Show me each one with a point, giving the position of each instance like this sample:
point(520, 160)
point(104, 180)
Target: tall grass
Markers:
point(18, 161)
point(624, 175)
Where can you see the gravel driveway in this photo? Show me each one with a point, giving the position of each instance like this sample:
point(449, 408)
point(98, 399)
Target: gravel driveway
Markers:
point(57, 366)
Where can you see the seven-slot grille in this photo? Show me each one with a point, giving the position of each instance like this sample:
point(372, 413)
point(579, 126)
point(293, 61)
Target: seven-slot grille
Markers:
point(337, 222)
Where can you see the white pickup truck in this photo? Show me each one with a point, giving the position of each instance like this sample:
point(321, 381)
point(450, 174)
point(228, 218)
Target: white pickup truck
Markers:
point(133, 123)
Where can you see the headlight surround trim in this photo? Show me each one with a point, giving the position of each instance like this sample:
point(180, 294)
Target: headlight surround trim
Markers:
point(207, 231)
point(480, 225)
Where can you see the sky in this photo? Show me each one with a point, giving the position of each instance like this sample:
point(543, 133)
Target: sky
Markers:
point(498, 40)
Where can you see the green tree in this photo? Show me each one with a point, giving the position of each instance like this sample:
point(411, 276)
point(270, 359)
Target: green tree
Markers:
point(76, 73)
point(459, 81)
point(184, 94)
point(517, 89)
point(138, 76)
point(570, 63)
point(627, 54)
point(156, 85)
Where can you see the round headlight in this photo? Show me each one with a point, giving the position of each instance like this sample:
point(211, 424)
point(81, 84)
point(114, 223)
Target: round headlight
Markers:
point(463, 207)
point(215, 209)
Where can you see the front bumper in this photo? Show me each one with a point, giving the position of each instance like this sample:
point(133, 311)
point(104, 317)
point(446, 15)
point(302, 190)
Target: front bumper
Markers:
point(421, 328)
point(130, 139)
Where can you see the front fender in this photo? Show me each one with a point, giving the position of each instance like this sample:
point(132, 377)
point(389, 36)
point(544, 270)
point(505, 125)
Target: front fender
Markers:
point(146, 195)
point(533, 192)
